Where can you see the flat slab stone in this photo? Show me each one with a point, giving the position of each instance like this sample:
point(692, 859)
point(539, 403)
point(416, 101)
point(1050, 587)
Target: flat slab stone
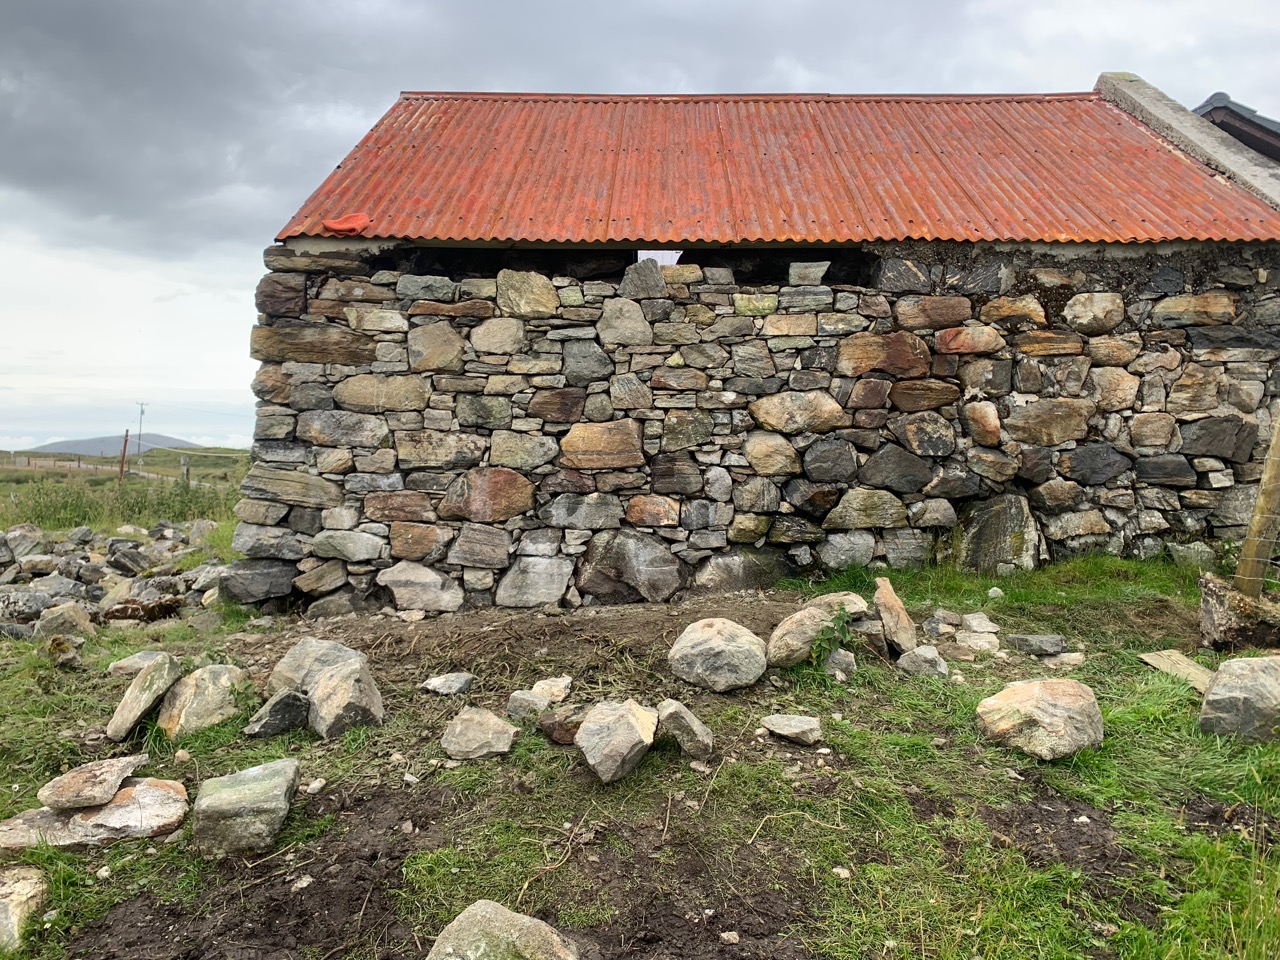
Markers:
point(1048, 719)
point(805, 731)
point(132, 665)
point(1037, 644)
point(145, 692)
point(899, 628)
point(448, 684)
point(142, 807)
point(23, 891)
point(476, 733)
point(243, 812)
point(89, 785)
point(614, 737)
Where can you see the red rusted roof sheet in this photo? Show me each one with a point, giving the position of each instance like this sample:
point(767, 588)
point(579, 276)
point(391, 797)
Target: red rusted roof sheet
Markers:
point(485, 167)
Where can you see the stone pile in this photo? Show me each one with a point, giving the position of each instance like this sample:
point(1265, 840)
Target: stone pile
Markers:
point(525, 439)
point(65, 585)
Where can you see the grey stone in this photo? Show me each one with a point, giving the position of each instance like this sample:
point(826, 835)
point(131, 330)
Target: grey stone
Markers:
point(694, 736)
point(805, 731)
point(614, 737)
point(831, 461)
point(526, 705)
point(481, 546)
point(132, 665)
point(999, 531)
point(142, 807)
point(204, 698)
point(841, 551)
point(448, 684)
point(476, 733)
point(863, 509)
point(441, 289)
point(718, 654)
point(643, 279)
point(840, 664)
point(1244, 700)
point(1094, 313)
point(286, 710)
point(585, 362)
point(893, 468)
point(305, 661)
point(624, 565)
point(1048, 719)
point(923, 661)
point(623, 322)
point(792, 639)
point(344, 696)
point(1093, 463)
point(416, 587)
point(252, 581)
point(526, 295)
point(742, 568)
point(499, 335)
point(592, 511)
point(145, 692)
point(89, 785)
point(489, 930)
point(349, 545)
point(245, 811)
point(534, 582)
point(277, 543)
point(1036, 644)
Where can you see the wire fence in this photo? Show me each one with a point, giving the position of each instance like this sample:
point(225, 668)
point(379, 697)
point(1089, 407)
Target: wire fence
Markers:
point(1259, 567)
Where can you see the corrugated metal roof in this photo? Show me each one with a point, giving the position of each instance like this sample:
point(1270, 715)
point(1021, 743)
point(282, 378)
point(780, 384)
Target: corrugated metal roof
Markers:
point(468, 167)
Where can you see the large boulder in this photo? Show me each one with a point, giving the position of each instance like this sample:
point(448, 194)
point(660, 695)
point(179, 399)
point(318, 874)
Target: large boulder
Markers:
point(243, 812)
point(1048, 719)
point(489, 930)
point(718, 654)
point(1000, 532)
point(621, 566)
point(1244, 700)
point(792, 640)
point(614, 737)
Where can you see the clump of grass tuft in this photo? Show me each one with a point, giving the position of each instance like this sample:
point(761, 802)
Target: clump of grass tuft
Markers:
point(58, 504)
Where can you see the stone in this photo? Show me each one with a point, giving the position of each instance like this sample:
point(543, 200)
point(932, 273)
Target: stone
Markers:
point(375, 393)
point(489, 930)
point(481, 546)
point(1196, 309)
point(1050, 422)
point(678, 721)
point(487, 495)
point(718, 654)
point(843, 551)
point(448, 684)
point(622, 566)
point(1049, 343)
point(682, 429)
point(592, 511)
point(245, 811)
point(653, 510)
point(89, 785)
point(863, 509)
point(831, 461)
point(1057, 495)
point(409, 287)
point(900, 354)
point(923, 661)
point(436, 347)
point(142, 807)
point(1036, 644)
point(145, 692)
point(1244, 700)
point(252, 581)
point(1114, 351)
point(132, 665)
point(561, 724)
point(499, 335)
point(286, 710)
point(932, 313)
point(915, 395)
point(1094, 313)
point(805, 731)
point(534, 582)
point(311, 343)
point(23, 892)
point(968, 340)
point(1232, 344)
point(1167, 470)
point(1230, 437)
point(322, 579)
point(614, 737)
point(1196, 390)
point(585, 363)
point(419, 541)
point(343, 696)
point(770, 454)
point(643, 279)
point(303, 662)
point(1047, 719)
point(526, 705)
point(814, 411)
point(436, 450)
point(526, 295)
point(350, 545)
point(291, 486)
point(792, 640)
point(65, 618)
point(1085, 523)
point(341, 428)
point(1093, 463)
point(893, 468)
point(1013, 311)
point(899, 628)
point(555, 689)
point(1151, 429)
point(742, 568)
point(603, 446)
point(1112, 388)
point(926, 435)
point(623, 323)
point(416, 587)
point(476, 733)
point(203, 698)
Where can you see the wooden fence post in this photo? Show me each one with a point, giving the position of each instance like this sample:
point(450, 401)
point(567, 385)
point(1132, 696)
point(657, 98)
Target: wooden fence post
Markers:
point(1251, 570)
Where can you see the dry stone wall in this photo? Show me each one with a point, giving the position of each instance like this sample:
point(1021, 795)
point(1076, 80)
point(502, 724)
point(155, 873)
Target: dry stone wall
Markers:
point(527, 439)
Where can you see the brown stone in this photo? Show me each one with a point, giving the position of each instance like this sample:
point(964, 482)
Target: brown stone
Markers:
point(770, 454)
point(914, 395)
point(869, 394)
point(1049, 343)
point(487, 495)
point(603, 446)
point(282, 295)
point(312, 343)
point(1113, 388)
point(527, 295)
point(1151, 430)
point(900, 354)
point(1013, 311)
point(1196, 309)
point(1196, 389)
point(813, 411)
point(271, 384)
point(678, 378)
point(560, 405)
point(652, 510)
point(932, 313)
point(290, 486)
point(476, 309)
point(899, 628)
point(437, 450)
point(375, 393)
point(389, 505)
point(1046, 423)
point(1115, 351)
point(419, 541)
point(435, 346)
point(982, 420)
point(969, 340)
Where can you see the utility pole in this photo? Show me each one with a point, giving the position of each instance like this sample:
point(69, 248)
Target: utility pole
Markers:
point(142, 408)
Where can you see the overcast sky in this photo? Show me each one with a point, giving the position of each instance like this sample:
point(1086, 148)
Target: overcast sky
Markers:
point(149, 149)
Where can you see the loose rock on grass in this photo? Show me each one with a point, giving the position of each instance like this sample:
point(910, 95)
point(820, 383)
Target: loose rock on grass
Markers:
point(614, 737)
point(718, 654)
point(243, 812)
point(1244, 700)
point(476, 733)
point(1048, 719)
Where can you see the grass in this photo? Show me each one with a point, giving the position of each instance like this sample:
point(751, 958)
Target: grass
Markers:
point(903, 801)
point(60, 502)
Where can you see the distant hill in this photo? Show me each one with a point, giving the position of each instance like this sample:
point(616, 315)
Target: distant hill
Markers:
point(110, 446)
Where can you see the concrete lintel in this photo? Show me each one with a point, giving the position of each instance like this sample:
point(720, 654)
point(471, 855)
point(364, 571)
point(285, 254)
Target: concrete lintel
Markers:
point(1193, 134)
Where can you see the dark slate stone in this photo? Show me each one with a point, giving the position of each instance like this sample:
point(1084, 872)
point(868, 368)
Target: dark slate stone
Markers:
point(1231, 343)
point(128, 561)
point(819, 358)
point(1038, 644)
point(252, 581)
point(1037, 464)
point(285, 711)
point(984, 278)
point(813, 499)
point(675, 473)
point(902, 276)
point(567, 481)
point(585, 362)
point(306, 520)
point(311, 396)
point(1093, 463)
point(754, 386)
point(926, 434)
point(792, 529)
point(1166, 282)
point(831, 460)
point(954, 483)
point(1229, 438)
point(893, 468)
point(1167, 470)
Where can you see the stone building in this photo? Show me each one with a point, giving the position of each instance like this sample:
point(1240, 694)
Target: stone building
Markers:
point(995, 329)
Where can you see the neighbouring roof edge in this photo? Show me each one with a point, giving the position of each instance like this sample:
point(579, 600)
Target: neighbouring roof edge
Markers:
point(1192, 134)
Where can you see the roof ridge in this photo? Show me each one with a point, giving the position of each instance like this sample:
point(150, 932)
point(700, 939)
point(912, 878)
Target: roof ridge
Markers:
point(1083, 95)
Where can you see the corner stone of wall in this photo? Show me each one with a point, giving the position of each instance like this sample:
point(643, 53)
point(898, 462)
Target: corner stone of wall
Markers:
point(522, 440)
